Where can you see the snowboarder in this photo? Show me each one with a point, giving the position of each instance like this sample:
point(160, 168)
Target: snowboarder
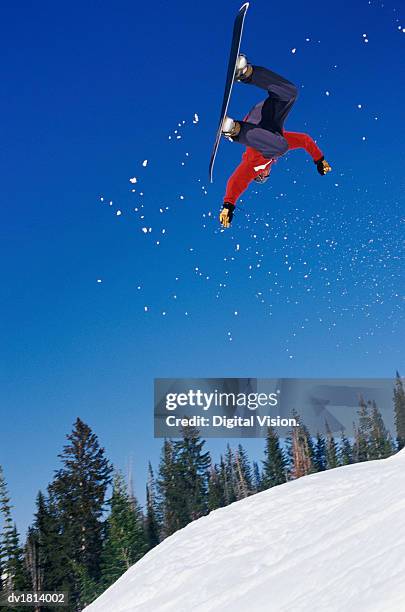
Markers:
point(262, 132)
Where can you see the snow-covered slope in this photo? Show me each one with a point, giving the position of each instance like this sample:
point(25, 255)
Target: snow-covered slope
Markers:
point(330, 542)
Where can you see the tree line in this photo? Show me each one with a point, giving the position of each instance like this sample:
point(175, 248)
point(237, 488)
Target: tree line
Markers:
point(89, 528)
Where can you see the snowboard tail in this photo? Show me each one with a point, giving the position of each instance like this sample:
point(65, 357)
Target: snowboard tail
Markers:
point(230, 76)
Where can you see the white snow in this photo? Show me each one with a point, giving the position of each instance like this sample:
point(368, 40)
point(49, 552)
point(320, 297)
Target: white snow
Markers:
point(145, 163)
point(332, 541)
point(133, 179)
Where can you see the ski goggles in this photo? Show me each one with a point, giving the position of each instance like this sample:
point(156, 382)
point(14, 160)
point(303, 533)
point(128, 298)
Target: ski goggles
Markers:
point(261, 178)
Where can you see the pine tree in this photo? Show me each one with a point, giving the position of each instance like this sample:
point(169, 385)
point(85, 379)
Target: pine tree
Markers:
point(170, 503)
point(6, 535)
point(183, 481)
point(228, 476)
point(1, 583)
point(275, 463)
point(125, 541)
point(13, 576)
point(52, 563)
point(216, 494)
point(243, 472)
point(152, 521)
point(32, 560)
point(361, 447)
point(257, 478)
point(345, 450)
point(302, 451)
point(16, 563)
point(193, 464)
point(332, 451)
point(381, 445)
point(320, 461)
point(399, 408)
point(79, 496)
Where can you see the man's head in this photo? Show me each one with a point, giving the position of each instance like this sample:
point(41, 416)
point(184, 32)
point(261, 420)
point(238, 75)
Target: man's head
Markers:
point(261, 178)
point(263, 175)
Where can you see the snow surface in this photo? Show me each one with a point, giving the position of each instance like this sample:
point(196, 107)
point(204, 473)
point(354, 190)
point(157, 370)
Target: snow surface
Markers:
point(333, 541)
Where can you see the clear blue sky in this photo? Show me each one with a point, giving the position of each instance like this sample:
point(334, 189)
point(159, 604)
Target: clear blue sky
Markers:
point(313, 266)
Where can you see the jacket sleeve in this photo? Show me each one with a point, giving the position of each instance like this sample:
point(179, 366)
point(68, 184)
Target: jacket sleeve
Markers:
point(239, 181)
point(296, 140)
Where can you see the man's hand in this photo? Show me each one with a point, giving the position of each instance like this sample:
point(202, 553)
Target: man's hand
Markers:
point(323, 166)
point(226, 214)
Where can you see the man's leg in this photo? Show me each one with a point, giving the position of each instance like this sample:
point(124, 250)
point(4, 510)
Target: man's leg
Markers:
point(282, 95)
point(270, 144)
point(266, 135)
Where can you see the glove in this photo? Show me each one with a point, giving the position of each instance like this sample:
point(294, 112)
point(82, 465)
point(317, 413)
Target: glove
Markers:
point(323, 166)
point(226, 214)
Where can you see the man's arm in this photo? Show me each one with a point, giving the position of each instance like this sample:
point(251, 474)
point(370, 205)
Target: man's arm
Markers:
point(296, 140)
point(239, 181)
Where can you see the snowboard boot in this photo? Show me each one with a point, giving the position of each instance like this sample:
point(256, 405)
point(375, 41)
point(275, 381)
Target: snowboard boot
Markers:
point(230, 128)
point(243, 68)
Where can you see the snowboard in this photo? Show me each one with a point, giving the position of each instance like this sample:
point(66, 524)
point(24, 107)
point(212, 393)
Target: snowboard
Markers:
point(230, 76)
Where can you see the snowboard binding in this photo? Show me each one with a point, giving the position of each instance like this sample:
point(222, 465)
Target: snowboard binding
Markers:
point(230, 128)
point(243, 70)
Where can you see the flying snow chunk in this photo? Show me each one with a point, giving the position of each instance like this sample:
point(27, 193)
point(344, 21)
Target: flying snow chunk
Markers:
point(196, 118)
point(145, 163)
point(145, 308)
point(99, 280)
point(118, 213)
point(133, 180)
point(145, 230)
point(327, 93)
point(293, 51)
